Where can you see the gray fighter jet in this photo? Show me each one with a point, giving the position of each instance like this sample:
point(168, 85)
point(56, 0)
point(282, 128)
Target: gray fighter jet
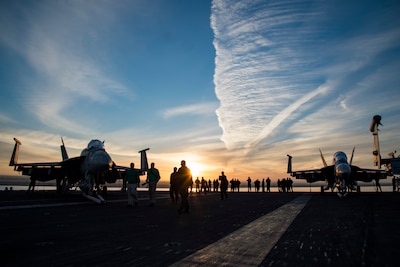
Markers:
point(90, 171)
point(342, 176)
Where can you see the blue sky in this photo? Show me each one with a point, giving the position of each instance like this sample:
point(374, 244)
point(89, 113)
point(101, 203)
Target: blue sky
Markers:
point(229, 86)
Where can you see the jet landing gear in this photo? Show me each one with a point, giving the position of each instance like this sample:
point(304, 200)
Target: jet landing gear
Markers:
point(86, 187)
point(98, 199)
point(63, 185)
point(93, 196)
point(342, 192)
point(327, 187)
point(341, 189)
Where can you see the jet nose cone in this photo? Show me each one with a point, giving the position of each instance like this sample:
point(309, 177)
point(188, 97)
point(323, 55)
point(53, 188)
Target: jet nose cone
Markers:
point(343, 170)
point(100, 162)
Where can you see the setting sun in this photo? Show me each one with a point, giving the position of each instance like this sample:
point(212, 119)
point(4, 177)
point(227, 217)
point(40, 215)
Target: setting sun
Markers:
point(196, 169)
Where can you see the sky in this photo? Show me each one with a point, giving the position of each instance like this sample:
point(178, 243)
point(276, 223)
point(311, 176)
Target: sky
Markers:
point(229, 86)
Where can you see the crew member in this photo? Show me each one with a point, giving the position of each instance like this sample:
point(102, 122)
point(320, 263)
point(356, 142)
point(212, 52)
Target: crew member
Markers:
point(224, 185)
point(153, 176)
point(184, 182)
point(132, 178)
point(173, 190)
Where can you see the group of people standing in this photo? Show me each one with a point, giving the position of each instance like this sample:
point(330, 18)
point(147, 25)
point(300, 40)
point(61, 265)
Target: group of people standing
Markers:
point(221, 183)
point(132, 182)
point(285, 185)
point(181, 180)
point(265, 185)
point(204, 186)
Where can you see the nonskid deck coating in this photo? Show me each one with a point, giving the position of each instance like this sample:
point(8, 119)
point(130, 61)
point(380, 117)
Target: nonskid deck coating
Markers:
point(52, 232)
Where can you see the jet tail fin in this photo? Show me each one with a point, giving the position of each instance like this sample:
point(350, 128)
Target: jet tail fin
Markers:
point(64, 153)
point(144, 165)
point(323, 159)
point(289, 165)
point(352, 154)
point(14, 156)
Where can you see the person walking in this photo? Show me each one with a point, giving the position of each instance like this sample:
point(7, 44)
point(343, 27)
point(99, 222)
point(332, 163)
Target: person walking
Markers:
point(153, 176)
point(132, 179)
point(173, 190)
point(184, 182)
point(223, 186)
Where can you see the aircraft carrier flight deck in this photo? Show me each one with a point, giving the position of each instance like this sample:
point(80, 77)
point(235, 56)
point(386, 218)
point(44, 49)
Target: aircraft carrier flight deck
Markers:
point(247, 229)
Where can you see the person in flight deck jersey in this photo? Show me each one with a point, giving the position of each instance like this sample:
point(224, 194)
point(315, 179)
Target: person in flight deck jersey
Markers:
point(132, 178)
point(153, 176)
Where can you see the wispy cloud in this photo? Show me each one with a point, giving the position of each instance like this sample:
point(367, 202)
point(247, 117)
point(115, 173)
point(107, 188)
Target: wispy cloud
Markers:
point(259, 65)
point(68, 73)
point(283, 115)
point(272, 56)
point(195, 109)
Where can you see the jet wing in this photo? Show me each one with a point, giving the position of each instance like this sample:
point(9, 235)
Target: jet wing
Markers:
point(118, 172)
point(41, 171)
point(327, 173)
point(122, 169)
point(367, 175)
point(37, 165)
point(309, 175)
point(46, 171)
point(314, 175)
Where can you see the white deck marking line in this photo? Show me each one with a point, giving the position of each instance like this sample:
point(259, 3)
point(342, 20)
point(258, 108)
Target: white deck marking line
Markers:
point(31, 206)
point(249, 245)
point(43, 205)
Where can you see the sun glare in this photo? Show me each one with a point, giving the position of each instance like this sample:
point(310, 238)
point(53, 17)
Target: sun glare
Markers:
point(195, 168)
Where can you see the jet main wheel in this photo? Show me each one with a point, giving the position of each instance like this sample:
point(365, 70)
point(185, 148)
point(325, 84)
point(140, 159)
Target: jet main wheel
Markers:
point(62, 185)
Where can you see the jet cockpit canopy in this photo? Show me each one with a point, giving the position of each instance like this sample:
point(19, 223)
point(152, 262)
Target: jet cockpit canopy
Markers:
point(93, 144)
point(339, 157)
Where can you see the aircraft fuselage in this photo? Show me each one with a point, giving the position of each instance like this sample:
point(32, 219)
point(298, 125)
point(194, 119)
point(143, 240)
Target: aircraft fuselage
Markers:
point(342, 167)
point(97, 160)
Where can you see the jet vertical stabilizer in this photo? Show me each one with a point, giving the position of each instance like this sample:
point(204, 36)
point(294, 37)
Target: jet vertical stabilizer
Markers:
point(289, 165)
point(64, 153)
point(323, 159)
point(144, 165)
point(352, 155)
point(14, 156)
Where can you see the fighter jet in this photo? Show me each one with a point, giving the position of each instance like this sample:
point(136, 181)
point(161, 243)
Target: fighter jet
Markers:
point(90, 171)
point(341, 176)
